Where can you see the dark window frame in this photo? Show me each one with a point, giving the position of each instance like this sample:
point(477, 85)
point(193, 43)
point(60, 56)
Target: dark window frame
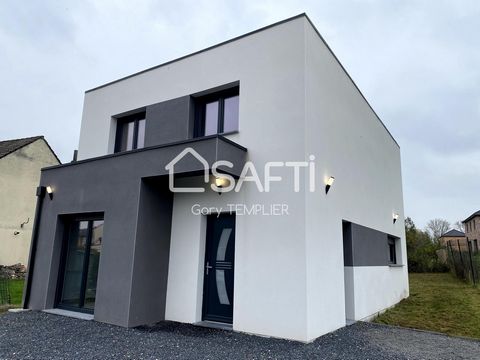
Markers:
point(67, 227)
point(392, 250)
point(121, 125)
point(200, 110)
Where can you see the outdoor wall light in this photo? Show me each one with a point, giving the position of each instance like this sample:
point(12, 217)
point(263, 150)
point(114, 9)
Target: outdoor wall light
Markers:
point(50, 192)
point(221, 182)
point(395, 217)
point(329, 184)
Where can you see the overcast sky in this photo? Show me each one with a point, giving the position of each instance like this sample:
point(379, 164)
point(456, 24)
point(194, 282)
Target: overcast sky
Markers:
point(417, 62)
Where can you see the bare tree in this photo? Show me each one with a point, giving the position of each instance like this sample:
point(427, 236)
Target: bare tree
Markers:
point(437, 227)
point(459, 225)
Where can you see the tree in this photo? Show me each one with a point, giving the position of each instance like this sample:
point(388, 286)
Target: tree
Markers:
point(436, 228)
point(421, 250)
point(460, 226)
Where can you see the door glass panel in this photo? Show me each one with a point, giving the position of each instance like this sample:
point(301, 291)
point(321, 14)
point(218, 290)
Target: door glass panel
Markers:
point(211, 118)
point(94, 259)
point(230, 116)
point(74, 263)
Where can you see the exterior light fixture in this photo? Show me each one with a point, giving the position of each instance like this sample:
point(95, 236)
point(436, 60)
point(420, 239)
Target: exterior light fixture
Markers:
point(49, 190)
point(221, 182)
point(329, 184)
point(395, 217)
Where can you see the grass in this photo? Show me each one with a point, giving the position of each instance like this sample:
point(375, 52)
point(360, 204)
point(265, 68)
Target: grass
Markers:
point(16, 291)
point(438, 302)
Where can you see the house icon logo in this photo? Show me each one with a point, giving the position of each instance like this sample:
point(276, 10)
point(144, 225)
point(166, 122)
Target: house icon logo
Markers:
point(171, 171)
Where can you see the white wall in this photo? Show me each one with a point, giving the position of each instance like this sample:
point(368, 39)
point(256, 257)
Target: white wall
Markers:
point(352, 145)
point(377, 288)
point(19, 178)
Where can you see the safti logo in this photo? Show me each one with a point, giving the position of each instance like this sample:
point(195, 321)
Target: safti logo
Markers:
point(226, 183)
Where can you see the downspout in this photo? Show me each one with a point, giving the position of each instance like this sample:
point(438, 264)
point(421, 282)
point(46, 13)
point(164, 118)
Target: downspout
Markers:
point(33, 246)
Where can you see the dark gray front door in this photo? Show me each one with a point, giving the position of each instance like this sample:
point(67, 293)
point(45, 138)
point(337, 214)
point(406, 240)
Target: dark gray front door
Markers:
point(219, 268)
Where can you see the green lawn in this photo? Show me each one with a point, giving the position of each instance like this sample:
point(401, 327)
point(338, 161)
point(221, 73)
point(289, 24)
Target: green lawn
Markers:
point(16, 291)
point(438, 302)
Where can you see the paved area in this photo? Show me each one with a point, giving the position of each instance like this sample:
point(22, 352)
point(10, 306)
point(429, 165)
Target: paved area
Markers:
point(35, 335)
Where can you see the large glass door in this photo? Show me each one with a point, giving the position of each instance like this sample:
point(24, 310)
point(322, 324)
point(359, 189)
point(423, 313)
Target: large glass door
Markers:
point(81, 257)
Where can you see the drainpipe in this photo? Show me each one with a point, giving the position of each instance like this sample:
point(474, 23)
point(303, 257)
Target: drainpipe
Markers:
point(33, 246)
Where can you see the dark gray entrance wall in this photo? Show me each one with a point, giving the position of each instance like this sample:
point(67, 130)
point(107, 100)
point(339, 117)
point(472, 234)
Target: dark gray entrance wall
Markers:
point(152, 251)
point(363, 246)
point(113, 185)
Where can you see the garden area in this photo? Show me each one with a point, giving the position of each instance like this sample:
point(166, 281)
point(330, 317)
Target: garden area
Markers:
point(438, 302)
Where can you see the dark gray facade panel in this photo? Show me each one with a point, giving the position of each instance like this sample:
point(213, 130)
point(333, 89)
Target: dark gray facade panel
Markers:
point(128, 293)
point(364, 246)
point(168, 121)
point(152, 251)
point(347, 244)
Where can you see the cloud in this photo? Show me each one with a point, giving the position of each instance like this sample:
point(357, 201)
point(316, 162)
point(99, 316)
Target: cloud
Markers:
point(416, 62)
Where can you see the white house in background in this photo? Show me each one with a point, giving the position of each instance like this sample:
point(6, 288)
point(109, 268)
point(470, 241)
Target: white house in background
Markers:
point(293, 262)
point(20, 164)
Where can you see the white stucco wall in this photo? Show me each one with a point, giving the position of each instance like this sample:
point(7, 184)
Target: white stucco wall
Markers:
point(19, 178)
point(295, 100)
point(352, 145)
point(376, 288)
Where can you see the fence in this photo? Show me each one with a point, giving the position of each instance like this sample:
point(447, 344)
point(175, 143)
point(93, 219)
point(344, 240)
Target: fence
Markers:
point(5, 298)
point(464, 261)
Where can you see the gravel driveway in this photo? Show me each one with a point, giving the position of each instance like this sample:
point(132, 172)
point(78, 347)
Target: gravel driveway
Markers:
point(35, 335)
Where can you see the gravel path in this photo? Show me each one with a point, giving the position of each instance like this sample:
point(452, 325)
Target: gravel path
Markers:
point(35, 335)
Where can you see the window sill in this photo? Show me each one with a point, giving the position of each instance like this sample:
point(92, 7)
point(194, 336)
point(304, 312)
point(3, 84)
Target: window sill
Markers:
point(396, 265)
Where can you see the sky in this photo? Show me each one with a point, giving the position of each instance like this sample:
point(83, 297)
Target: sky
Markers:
point(417, 63)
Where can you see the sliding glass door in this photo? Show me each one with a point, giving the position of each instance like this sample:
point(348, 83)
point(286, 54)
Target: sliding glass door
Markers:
point(81, 257)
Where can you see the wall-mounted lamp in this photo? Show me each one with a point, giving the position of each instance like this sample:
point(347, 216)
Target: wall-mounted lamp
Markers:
point(395, 217)
point(329, 183)
point(221, 182)
point(49, 190)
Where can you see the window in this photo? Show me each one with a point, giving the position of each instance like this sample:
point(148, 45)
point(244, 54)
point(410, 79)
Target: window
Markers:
point(392, 251)
point(217, 113)
point(475, 245)
point(130, 132)
point(81, 256)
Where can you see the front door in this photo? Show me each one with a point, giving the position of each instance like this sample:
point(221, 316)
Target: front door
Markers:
point(219, 268)
point(81, 255)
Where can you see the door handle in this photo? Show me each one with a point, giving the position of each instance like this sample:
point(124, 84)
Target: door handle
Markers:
point(208, 267)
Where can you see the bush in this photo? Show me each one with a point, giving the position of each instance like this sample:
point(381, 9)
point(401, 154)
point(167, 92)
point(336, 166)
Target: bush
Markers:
point(422, 251)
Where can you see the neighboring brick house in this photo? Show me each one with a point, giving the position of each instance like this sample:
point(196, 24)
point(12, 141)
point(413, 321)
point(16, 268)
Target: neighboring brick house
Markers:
point(472, 230)
point(455, 238)
point(20, 164)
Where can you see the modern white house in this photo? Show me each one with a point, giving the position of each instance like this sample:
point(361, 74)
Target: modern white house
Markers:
point(163, 216)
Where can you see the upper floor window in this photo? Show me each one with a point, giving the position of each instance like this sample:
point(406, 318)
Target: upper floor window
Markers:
point(130, 132)
point(217, 113)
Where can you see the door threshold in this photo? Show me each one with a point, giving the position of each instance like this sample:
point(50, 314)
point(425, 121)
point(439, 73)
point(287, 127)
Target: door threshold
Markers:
point(68, 313)
point(214, 325)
